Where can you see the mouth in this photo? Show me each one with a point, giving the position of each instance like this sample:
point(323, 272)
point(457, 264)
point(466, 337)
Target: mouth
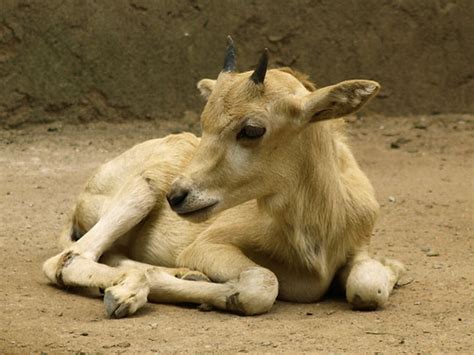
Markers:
point(199, 211)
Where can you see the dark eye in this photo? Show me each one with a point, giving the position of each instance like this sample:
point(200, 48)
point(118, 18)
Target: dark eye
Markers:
point(251, 132)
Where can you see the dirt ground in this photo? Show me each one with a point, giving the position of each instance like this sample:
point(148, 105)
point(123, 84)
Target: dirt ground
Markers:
point(422, 170)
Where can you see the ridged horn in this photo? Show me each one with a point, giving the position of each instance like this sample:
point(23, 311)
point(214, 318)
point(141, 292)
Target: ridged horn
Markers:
point(229, 60)
point(258, 76)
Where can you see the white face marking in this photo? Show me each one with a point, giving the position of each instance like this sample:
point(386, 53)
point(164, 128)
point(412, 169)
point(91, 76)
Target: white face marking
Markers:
point(238, 157)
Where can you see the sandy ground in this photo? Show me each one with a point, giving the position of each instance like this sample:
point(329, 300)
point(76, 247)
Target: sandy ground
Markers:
point(425, 187)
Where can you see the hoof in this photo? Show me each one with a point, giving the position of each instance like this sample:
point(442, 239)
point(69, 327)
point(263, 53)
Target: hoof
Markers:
point(359, 304)
point(114, 308)
point(127, 297)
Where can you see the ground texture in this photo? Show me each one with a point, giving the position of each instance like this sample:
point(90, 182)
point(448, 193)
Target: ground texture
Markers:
point(421, 167)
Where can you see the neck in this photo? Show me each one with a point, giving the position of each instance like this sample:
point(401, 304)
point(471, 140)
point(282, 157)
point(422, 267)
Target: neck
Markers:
point(306, 210)
point(308, 195)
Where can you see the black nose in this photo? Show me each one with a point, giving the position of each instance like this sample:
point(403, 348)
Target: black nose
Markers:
point(176, 197)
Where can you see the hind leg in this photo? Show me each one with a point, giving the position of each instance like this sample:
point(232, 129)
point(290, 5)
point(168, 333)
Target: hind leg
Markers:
point(78, 266)
point(87, 212)
point(369, 282)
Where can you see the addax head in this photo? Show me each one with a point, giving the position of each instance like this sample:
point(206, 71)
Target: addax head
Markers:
point(250, 128)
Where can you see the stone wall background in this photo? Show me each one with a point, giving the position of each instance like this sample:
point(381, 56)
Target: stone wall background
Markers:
point(82, 60)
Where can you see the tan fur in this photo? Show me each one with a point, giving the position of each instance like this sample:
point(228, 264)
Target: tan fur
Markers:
point(302, 78)
point(284, 213)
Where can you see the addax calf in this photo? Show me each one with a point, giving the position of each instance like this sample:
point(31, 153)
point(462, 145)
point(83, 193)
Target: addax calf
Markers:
point(269, 203)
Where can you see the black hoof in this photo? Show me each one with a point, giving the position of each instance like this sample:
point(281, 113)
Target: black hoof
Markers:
point(113, 308)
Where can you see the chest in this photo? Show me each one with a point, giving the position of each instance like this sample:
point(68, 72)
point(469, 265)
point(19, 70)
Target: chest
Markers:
point(304, 260)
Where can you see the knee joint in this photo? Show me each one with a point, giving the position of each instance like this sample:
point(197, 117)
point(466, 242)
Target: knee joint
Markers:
point(367, 286)
point(255, 292)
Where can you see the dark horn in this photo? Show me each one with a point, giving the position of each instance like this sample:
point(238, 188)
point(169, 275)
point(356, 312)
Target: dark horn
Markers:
point(258, 76)
point(229, 60)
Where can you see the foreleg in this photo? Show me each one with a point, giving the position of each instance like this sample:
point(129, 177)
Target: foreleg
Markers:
point(241, 286)
point(245, 288)
point(368, 281)
point(169, 285)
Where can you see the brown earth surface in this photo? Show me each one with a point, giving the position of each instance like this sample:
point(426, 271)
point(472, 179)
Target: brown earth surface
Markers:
point(425, 187)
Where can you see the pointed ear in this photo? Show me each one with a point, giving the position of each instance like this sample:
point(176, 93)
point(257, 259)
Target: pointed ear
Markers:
point(206, 86)
point(338, 100)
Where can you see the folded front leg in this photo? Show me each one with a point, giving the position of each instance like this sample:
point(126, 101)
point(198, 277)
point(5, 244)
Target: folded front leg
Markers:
point(172, 285)
point(369, 282)
point(244, 287)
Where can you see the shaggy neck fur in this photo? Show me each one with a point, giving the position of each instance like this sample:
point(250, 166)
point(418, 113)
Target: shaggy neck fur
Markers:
point(307, 207)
